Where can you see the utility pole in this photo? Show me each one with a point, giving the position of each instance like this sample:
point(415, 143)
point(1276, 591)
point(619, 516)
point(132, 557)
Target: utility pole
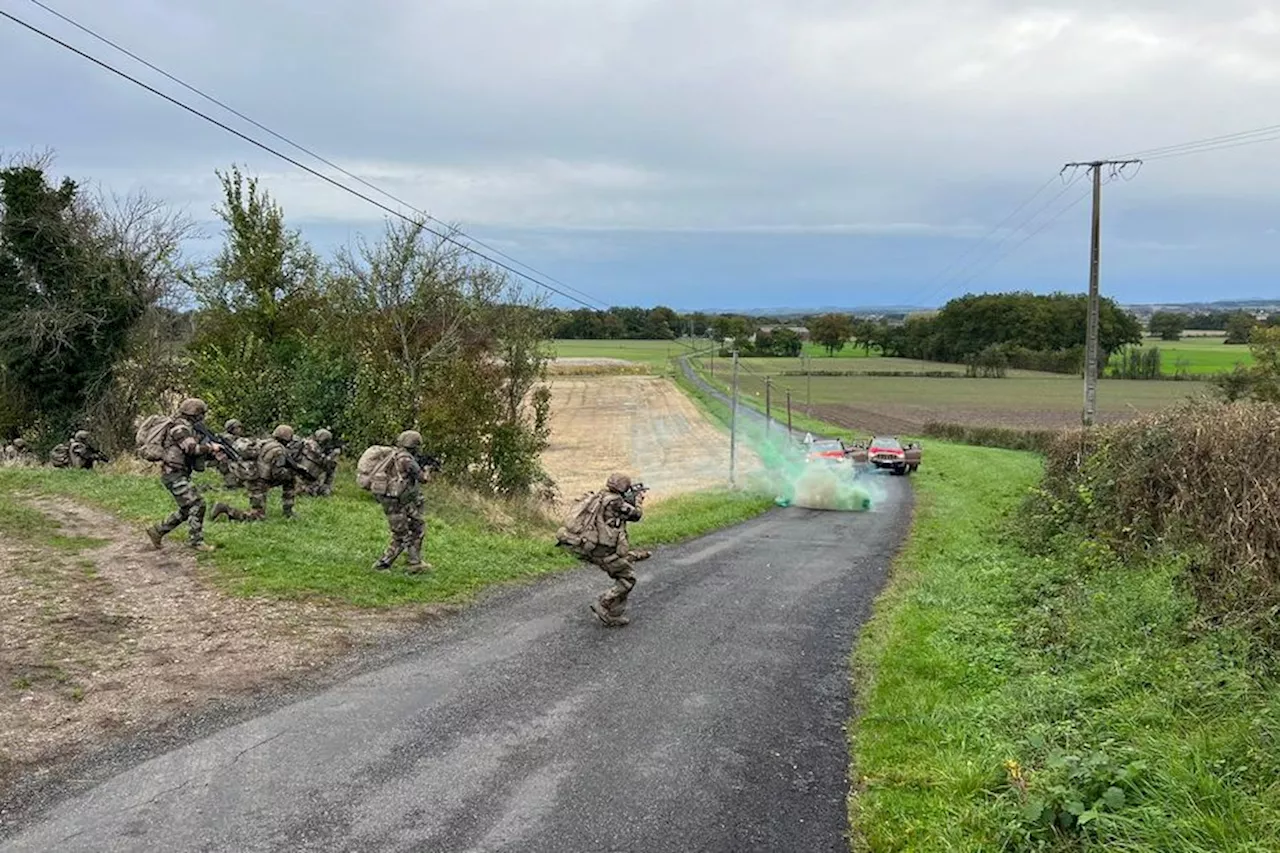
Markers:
point(768, 408)
point(789, 432)
point(808, 385)
point(733, 426)
point(1091, 325)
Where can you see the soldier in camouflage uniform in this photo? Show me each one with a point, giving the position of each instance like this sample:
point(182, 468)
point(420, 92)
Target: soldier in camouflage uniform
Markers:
point(183, 455)
point(321, 461)
point(619, 504)
point(228, 468)
point(405, 514)
point(83, 453)
point(274, 468)
point(16, 455)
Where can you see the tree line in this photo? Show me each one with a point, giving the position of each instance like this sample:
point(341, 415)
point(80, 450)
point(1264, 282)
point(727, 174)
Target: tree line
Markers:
point(104, 318)
point(1238, 325)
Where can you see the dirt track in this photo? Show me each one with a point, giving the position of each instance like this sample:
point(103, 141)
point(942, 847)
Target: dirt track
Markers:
point(643, 425)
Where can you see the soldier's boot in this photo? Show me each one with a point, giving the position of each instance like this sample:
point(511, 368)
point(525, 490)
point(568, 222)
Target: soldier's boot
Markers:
point(610, 621)
point(388, 557)
point(156, 537)
point(219, 510)
point(203, 547)
point(416, 564)
point(636, 556)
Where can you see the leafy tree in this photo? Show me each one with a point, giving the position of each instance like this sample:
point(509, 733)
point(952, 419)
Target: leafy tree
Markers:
point(1169, 325)
point(1261, 380)
point(1239, 326)
point(831, 331)
point(786, 343)
point(76, 279)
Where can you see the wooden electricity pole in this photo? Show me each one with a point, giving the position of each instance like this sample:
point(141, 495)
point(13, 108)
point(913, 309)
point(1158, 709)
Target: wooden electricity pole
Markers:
point(1091, 324)
point(768, 403)
point(733, 426)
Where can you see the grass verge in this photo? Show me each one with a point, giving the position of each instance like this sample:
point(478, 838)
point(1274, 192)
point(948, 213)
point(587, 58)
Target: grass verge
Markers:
point(325, 554)
point(1055, 701)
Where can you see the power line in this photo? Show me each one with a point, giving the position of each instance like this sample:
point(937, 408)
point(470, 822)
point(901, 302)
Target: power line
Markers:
point(1212, 143)
point(446, 237)
point(976, 266)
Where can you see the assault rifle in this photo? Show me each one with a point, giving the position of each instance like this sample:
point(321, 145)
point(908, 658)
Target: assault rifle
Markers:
point(431, 463)
point(208, 436)
point(635, 493)
point(293, 465)
point(95, 454)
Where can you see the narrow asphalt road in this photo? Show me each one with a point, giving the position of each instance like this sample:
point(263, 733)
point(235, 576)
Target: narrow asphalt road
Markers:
point(714, 722)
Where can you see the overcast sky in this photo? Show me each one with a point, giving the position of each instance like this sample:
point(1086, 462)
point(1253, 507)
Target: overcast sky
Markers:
point(708, 153)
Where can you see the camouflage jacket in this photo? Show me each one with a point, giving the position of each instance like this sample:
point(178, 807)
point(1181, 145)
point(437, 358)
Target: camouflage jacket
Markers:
point(183, 450)
point(315, 458)
point(405, 468)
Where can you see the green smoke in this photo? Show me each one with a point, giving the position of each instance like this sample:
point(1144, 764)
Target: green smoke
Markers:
point(785, 473)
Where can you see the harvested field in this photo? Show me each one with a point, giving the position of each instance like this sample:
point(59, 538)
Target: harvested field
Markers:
point(643, 425)
point(103, 636)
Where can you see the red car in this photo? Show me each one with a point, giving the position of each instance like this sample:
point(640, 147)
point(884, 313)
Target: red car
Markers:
point(887, 452)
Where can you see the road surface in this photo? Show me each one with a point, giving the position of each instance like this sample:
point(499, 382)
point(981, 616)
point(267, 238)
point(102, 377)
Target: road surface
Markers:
point(714, 722)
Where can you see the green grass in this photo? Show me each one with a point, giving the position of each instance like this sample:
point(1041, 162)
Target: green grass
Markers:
point(327, 551)
point(980, 653)
point(1202, 356)
point(24, 523)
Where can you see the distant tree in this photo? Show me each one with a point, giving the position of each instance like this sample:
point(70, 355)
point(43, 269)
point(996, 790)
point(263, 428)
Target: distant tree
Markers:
point(864, 332)
point(1261, 380)
point(786, 343)
point(1169, 325)
point(1239, 326)
point(831, 331)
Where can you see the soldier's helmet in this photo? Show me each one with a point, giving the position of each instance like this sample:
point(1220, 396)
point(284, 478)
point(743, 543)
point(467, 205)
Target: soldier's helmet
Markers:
point(82, 435)
point(233, 426)
point(19, 444)
point(410, 439)
point(284, 432)
point(618, 483)
point(193, 407)
point(324, 436)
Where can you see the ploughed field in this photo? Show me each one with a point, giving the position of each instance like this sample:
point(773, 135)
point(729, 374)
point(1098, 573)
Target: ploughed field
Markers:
point(903, 404)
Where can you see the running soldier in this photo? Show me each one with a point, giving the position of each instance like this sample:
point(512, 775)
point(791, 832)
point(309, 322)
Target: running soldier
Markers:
point(178, 449)
point(399, 490)
point(275, 467)
point(596, 532)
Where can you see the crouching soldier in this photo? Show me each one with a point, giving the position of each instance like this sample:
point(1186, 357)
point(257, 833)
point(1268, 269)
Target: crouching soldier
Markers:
point(596, 532)
point(16, 455)
point(275, 467)
point(174, 443)
point(320, 461)
point(233, 434)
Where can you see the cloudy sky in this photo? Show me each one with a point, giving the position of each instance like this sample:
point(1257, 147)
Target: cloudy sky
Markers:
point(709, 153)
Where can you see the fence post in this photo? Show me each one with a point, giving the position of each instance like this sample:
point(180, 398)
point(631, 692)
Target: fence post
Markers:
point(789, 430)
point(768, 406)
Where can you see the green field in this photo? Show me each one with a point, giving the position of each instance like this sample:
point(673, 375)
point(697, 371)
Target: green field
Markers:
point(325, 554)
point(1199, 356)
point(656, 354)
point(905, 404)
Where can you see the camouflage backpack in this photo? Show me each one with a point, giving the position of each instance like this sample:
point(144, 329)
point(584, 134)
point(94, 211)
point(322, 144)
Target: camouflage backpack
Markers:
point(374, 474)
point(585, 528)
point(152, 436)
point(60, 456)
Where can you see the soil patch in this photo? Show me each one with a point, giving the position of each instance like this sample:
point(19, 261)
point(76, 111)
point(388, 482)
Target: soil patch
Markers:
point(114, 637)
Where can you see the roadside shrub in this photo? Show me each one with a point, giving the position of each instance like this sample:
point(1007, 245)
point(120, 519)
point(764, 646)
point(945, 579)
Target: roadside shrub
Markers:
point(1201, 480)
point(1010, 438)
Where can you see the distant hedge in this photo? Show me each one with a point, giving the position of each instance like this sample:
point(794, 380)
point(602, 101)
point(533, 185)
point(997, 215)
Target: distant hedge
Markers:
point(1010, 438)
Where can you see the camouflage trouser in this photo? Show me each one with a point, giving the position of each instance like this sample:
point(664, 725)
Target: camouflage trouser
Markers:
point(190, 507)
point(323, 486)
point(230, 474)
point(622, 571)
point(257, 511)
point(405, 517)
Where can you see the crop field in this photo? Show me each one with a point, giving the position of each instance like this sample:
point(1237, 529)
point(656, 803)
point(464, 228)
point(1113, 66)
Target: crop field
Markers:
point(653, 353)
point(904, 404)
point(1200, 355)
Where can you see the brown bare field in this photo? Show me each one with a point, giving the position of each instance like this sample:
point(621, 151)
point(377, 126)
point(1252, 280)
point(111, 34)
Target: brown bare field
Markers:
point(108, 637)
point(642, 425)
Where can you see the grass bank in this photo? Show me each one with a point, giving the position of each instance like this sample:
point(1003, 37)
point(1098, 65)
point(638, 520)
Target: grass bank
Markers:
point(1054, 701)
point(325, 554)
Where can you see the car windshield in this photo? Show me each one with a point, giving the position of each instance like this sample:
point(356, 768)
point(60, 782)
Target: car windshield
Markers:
point(825, 447)
point(886, 444)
